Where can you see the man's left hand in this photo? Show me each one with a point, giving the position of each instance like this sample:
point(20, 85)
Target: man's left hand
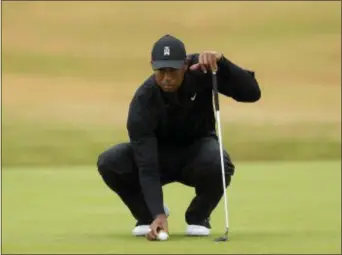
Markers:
point(207, 61)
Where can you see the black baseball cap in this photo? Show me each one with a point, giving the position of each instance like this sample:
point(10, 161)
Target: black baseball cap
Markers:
point(168, 52)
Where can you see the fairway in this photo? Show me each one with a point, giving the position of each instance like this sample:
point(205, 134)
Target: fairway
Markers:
point(78, 64)
point(274, 208)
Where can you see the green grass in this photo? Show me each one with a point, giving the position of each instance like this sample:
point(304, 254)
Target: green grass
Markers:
point(273, 207)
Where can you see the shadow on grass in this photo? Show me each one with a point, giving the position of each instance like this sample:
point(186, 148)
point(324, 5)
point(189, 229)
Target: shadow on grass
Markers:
point(128, 236)
point(256, 236)
point(237, 236)
point(234, 236)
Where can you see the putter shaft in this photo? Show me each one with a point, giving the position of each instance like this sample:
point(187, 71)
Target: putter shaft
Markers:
point(216, 102)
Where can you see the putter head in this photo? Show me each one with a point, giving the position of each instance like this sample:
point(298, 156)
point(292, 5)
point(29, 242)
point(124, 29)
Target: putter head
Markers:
point(223, 238)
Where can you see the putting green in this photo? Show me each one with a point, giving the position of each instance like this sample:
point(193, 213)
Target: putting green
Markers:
point(274, 207)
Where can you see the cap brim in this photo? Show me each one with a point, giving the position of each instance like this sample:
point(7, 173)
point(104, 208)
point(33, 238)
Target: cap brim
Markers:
point(176, 64)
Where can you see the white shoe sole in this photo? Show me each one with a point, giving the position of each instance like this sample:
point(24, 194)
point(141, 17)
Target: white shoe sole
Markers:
point(197, 230)
point(141, 230)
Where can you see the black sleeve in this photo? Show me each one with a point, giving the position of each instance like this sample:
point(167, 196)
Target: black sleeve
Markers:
point(235, 82)
point(141, 124)
point(192, 58)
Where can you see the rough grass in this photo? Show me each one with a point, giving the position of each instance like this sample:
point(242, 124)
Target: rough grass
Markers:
point(70, 69)
point(274, 208)
point(53, 144)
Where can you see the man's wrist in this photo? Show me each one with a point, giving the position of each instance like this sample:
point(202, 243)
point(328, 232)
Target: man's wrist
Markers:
point(160, 215)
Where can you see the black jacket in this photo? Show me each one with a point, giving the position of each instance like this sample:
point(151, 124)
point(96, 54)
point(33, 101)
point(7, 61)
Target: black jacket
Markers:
point(157, 118)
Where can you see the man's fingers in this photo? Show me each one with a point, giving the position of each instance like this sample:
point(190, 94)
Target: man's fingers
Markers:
point(211, 61)
point(166, 228)
point(195, 66)
point(151, 235)
point(206, 62)
point(214, 63)
point(201, 62)
point(154, 232)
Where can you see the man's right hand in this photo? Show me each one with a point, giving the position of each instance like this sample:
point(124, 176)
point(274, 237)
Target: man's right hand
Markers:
point(207, 60)
point(160, 223)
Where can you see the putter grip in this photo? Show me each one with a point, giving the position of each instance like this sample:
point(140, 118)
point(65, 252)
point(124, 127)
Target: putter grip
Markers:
point(215, 89)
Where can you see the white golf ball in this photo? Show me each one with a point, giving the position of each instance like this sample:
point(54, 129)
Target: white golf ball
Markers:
point(162, 236)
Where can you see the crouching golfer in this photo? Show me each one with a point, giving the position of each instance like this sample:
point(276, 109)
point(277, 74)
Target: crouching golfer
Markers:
point(171, 127)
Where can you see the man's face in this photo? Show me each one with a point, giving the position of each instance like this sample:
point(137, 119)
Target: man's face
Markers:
point(170, 79)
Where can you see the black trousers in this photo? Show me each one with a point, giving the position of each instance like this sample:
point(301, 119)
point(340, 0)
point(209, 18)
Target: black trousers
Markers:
point(197, 165)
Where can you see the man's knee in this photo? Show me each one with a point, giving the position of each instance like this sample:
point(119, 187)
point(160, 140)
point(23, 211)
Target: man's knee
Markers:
point(116, 159)
point(116, 166)
point(211, 168)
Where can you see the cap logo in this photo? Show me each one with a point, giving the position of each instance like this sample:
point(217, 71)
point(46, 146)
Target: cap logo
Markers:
point(166, 51)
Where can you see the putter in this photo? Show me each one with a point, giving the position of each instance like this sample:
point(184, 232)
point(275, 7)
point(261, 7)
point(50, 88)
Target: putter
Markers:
point(217, 109)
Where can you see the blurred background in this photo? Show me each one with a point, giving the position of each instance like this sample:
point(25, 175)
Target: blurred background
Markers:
point(71, 68)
